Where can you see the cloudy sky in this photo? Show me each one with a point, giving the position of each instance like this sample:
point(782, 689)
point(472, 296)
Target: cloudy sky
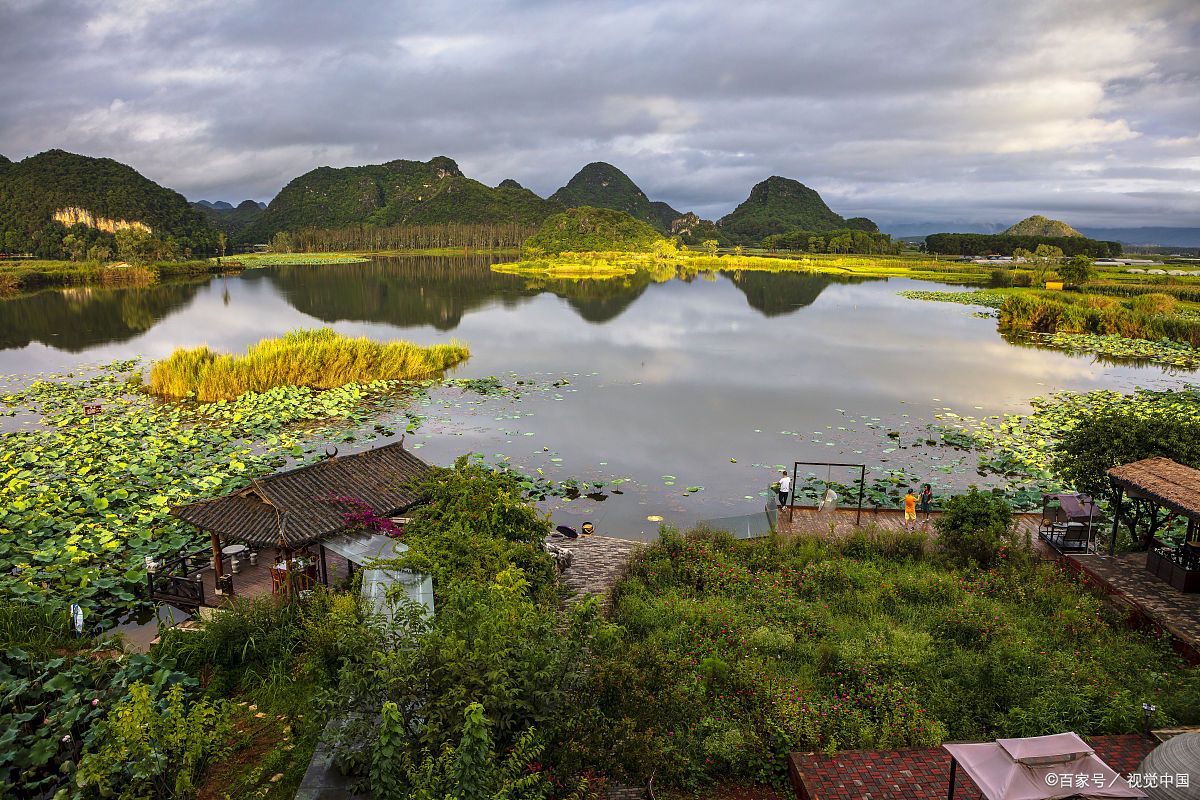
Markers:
point(904, 111)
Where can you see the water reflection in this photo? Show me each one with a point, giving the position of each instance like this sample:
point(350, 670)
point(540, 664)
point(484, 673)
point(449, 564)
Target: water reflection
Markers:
point(713, 378)
point(776, 293)
point(407, 292)
point(81, 318)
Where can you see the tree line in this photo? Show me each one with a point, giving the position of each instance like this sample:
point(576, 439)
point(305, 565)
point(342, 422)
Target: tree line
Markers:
point(982, 244)
point(842, 240)
point(405, 237)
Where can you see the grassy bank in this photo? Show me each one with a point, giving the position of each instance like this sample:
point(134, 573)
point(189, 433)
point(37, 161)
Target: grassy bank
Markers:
point(319, 359)
point(600, 265)
point(28, 276)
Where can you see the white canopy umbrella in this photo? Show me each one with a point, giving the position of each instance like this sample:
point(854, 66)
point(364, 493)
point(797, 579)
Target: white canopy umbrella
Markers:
point(1037, 768)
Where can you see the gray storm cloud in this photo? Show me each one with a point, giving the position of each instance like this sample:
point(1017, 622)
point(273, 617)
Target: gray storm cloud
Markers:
point(904, 111)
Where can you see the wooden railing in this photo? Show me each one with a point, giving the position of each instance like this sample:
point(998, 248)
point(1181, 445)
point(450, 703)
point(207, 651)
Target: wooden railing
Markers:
point(178, 581)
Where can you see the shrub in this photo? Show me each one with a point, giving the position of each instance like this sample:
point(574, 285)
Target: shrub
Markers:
point(1001, 278)
point(147, 752)
point(976, 528)
point(1153, 303)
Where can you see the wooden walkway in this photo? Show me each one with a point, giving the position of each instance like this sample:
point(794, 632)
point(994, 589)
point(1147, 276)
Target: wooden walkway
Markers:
point(1152, 602)
point(256, 581)
point(806, 519)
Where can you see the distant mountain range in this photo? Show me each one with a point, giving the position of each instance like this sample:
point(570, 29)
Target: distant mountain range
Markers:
point(1160, 236)
point(64, 189)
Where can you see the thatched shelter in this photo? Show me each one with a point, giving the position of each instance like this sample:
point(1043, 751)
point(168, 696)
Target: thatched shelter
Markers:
point(1159, 489)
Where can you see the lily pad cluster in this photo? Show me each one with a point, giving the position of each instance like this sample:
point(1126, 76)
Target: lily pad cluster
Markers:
point(980, 297)
point(85, 495)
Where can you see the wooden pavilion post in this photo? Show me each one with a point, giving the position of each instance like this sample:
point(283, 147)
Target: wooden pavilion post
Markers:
point(1112, 539)
point(216, 553)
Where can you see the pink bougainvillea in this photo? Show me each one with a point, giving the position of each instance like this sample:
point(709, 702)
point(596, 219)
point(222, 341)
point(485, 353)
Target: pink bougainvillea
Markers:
point(359, 514)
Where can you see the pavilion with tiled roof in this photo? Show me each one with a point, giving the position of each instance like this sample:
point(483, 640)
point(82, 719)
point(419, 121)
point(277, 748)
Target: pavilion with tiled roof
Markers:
point(287, 513)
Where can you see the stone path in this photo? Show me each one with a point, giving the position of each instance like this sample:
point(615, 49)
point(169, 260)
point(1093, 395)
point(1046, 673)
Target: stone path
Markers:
point(596, 562)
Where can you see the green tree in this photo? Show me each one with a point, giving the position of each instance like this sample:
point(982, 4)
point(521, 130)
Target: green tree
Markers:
point(1104, 439)
point(222, 241)
point(137, 245)
point(665, 249)
point(281, 242)
point(976, 528)
point(1048, 253)
point(99, 253)
point(75, 247)
point(1083, 455)
point(1077, 270)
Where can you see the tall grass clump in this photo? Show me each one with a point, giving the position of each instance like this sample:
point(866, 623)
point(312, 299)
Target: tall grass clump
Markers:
point(1153, 303)
point(1149, 320)
point(320, 359)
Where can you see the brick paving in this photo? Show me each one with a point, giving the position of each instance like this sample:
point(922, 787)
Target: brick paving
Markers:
point(920, 773)
point(1153, 601)
point(596, 562)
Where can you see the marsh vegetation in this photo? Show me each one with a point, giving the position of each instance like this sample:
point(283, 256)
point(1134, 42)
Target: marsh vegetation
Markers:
point(318, 359)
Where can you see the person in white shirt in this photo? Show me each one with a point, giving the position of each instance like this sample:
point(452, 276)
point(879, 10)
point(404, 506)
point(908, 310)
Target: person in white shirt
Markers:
point(785, 488)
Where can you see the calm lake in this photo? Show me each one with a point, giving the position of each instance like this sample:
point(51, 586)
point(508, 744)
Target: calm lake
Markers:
point(706, 383)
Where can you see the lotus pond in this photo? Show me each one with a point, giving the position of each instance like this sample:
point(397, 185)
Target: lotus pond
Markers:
point(625, 401)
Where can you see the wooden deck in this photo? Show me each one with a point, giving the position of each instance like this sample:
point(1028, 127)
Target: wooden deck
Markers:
point(807, 519)
point(1151, 602)
point(256, 581)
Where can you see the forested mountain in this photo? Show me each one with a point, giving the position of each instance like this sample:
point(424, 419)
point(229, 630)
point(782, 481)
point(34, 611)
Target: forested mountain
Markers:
point(55, 194)
point(588, 229)
point(1037, 225)
point(780, 205)
point(602, 185)
point(224, 217)
point(398, 192)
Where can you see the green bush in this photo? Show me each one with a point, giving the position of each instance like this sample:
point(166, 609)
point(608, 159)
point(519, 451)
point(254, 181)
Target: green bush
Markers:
point(977, 528)
point(146, 752)
point(1153, 303)
point(473, 769)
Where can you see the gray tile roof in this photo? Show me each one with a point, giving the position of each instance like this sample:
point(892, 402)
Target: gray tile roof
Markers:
point(296, 508)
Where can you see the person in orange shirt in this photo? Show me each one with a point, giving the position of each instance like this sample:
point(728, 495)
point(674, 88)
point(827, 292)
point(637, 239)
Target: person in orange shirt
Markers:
point(910, 511)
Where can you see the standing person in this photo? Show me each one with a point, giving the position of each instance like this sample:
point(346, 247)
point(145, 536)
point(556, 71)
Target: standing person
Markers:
point(785, 488)
point(925, 503)
point(910, 510)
